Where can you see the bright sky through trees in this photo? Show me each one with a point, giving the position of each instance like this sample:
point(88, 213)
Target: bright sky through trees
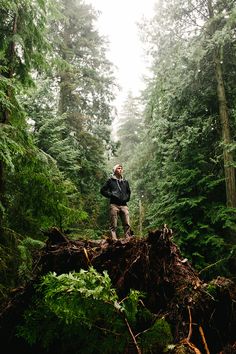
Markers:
point(117, 22)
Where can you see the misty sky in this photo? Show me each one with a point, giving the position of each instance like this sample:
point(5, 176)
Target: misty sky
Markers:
point(117, 21)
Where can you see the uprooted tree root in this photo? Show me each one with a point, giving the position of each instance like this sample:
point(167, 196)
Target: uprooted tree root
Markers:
point(202, 321)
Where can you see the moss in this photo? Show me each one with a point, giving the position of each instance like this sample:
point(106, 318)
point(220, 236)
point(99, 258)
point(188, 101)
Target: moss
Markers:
point(212, 289)
point(157, 337)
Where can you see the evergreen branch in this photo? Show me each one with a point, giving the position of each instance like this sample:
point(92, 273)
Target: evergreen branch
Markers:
point(217, 262)
point(197, 9)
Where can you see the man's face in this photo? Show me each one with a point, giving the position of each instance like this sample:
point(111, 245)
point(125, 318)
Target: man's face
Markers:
point(118, 171)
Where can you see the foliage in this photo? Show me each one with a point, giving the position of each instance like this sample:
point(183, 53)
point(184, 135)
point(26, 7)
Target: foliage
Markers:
point(9, 261)
point(71, 108)
point(180, 168)
point(12, 142)
point(211, 289)
point(56, 93)
point(129, 133)
point(82, 307)
point(157, 338)
point(129, 127)
point(55, 97)
point(16, 266)
point(27, 250)
point(42, 197)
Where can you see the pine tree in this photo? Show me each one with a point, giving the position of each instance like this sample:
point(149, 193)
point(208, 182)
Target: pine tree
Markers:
point(22, 47)
point(182, 167)
point(129, 127)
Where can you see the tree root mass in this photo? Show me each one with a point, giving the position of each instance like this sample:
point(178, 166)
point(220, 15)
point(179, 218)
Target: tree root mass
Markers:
point(200, 322)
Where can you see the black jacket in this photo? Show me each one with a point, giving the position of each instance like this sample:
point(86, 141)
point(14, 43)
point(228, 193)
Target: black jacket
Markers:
point(117, 190)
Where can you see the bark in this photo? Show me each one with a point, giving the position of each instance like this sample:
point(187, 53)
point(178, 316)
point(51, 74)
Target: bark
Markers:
point(226, 136)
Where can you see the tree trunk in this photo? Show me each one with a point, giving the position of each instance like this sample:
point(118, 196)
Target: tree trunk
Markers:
point(226, 136)
point(224, 119)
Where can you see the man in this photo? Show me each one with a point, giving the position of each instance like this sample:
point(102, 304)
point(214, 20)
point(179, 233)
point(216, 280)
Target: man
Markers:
point(118, 191)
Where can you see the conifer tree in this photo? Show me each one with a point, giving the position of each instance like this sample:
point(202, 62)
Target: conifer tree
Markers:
point(22, 46)
point(185, 166)
point(129, 127)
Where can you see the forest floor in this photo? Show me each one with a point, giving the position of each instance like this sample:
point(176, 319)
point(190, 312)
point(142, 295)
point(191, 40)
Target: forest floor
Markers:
point(202, 315)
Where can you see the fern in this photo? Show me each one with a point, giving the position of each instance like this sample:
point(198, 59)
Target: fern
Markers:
point(82, 310)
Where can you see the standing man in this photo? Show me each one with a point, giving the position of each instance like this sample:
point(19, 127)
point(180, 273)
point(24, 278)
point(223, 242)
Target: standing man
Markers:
point(118, 191)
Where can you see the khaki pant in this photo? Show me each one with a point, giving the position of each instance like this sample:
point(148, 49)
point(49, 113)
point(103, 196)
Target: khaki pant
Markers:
point(115, 212)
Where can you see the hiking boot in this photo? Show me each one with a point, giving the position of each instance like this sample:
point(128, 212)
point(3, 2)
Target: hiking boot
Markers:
point(113, 235)
point(129, 233)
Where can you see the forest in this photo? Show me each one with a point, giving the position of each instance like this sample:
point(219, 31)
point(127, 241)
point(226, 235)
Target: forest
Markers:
point(176, 141)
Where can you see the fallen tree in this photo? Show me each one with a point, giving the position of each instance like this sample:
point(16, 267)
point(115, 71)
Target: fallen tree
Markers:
point(201, 315)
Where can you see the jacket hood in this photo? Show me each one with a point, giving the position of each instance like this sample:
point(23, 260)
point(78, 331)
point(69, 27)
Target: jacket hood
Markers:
point(118, 179)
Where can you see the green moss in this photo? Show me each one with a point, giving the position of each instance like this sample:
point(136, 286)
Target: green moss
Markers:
point(157, 337)
point(211, 289)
